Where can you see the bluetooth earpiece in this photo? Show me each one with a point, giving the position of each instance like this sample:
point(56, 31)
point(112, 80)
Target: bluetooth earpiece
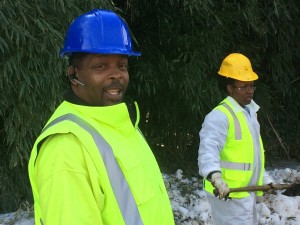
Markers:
point(73, 77)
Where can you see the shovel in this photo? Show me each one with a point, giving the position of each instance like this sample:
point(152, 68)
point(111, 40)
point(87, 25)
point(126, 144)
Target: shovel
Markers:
point(291, 189)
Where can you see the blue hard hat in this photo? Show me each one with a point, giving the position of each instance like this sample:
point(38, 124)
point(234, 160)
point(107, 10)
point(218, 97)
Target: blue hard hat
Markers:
point(99, 32)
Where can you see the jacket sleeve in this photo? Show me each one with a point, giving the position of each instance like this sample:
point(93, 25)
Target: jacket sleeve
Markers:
point(212, 139)
point(64, 184)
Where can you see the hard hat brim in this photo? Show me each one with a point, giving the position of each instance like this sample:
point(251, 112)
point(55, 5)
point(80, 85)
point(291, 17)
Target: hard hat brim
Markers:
point(65, 53)
point(246, 77)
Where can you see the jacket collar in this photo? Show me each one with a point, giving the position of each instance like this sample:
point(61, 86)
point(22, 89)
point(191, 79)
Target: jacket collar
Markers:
point(237, 108)
point(132, 108)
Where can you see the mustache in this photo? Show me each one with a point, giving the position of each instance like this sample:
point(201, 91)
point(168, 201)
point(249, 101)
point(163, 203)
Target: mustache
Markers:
point(116, 84)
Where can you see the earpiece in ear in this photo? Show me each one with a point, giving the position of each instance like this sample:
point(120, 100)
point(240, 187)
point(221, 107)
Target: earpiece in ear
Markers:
point(72, 76)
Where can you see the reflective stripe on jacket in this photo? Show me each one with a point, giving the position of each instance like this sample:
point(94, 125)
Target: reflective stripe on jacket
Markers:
point(129, 187)
point(237, 156)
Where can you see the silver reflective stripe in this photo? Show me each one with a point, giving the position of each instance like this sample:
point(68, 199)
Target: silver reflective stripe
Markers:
point(238, 136)
point(237, 126)
point(121, 189)
point(235, 165)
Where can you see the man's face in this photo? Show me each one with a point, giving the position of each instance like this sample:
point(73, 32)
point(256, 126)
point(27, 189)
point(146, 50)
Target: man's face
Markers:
point(241, 91)
point(105, 77)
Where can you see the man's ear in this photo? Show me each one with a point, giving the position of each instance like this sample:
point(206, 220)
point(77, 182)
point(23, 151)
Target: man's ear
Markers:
point(71, 71)
point(72, 75)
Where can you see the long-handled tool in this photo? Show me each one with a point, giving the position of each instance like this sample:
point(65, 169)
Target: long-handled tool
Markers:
point(291, 189)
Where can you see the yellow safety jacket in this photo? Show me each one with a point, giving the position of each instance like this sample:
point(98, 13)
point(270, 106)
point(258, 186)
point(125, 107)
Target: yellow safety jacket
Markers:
point(91, 165)
point(237, 156)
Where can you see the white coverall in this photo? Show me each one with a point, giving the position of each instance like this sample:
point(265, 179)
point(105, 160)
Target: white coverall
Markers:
point(212, 139)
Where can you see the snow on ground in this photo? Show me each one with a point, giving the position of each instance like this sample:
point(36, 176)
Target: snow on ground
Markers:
point(191, 207)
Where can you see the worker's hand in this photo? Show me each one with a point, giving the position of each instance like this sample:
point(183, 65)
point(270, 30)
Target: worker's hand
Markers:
point(267, 180)
point(271, 190)
point(220, 185)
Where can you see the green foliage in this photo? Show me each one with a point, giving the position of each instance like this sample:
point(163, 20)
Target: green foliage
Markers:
point(32, 80)
point(183, 44)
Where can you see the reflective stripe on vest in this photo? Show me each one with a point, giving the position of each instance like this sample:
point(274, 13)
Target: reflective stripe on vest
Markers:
point(237, 126)
point(238, 136)
point(235, 165)
point(119, 184)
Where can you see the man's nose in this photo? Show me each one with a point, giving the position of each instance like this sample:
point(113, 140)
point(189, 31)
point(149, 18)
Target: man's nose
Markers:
point(115, 73)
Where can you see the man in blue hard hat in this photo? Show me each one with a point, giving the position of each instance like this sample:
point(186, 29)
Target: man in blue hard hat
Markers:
point(91, 164)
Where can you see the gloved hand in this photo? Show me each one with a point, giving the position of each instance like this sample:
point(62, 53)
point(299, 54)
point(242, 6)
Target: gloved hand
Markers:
point(267, 179)
point(220, 185)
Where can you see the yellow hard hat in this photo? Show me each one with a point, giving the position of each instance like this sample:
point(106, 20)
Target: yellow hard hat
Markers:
point(238, 67)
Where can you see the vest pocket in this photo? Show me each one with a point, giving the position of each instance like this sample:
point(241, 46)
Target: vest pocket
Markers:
point(140, 182)
point(236, 178)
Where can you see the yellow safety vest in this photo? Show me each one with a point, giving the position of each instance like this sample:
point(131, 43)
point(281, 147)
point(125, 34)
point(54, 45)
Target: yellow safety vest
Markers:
point(126, 174)
point(237, 156)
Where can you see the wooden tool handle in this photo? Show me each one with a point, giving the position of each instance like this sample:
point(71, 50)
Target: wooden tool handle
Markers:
point(258, 188)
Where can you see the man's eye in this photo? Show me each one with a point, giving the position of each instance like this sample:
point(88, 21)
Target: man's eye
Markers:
point(124, 67)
